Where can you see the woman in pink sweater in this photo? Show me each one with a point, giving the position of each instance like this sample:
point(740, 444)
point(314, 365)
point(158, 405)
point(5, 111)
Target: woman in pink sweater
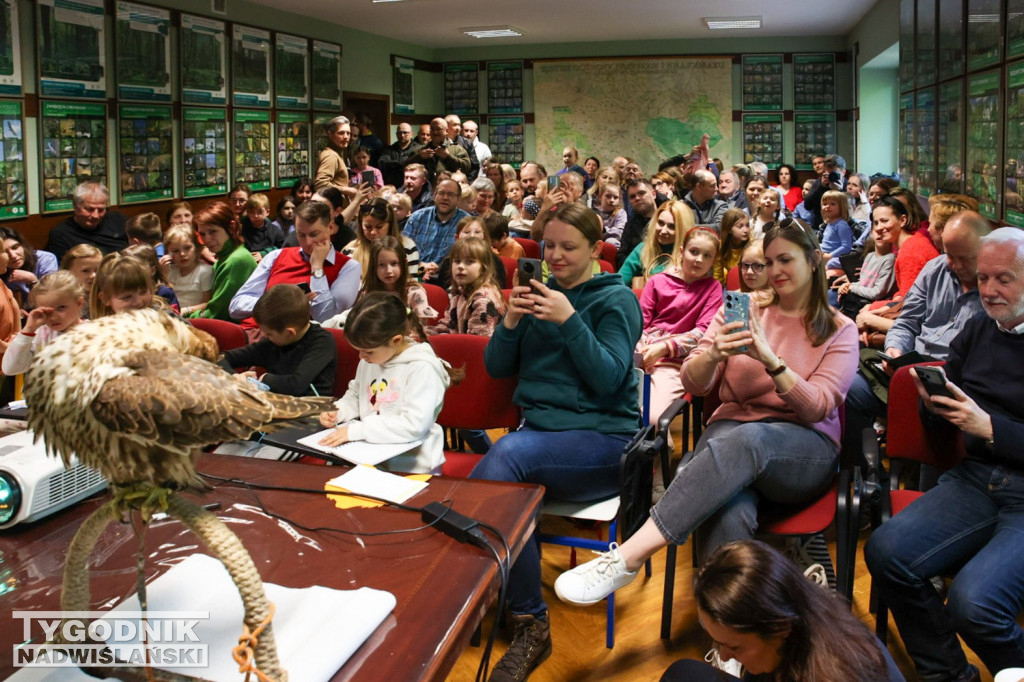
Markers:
point(775, 435)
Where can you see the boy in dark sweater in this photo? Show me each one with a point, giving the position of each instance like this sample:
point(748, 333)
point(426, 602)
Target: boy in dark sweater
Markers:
point(299, 357)
point(261, 236)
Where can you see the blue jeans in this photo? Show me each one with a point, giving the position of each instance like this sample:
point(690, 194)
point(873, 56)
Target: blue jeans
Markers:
point(576, 466)
point(733, 466)
point(971, 524)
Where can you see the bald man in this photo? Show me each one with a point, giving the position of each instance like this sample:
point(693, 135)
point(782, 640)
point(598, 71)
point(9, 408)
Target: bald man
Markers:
point(440, 153)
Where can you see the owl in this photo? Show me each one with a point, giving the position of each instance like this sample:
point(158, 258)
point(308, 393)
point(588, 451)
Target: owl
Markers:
point(136, 396)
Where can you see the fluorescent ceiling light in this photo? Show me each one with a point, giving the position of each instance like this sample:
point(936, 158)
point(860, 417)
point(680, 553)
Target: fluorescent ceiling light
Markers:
point(725, 23)
point(492, 32)
point(380, 1)
point(984, 18)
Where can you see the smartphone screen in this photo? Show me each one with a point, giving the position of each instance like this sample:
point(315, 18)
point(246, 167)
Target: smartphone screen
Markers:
point(367, 178)
point(934, 381)
point(552, 182)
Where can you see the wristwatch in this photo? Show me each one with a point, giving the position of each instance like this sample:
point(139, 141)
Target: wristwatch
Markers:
point(778, 370)
point(318, 273)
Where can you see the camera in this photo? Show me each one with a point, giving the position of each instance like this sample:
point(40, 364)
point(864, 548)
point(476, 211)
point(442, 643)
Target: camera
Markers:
point(833, 177)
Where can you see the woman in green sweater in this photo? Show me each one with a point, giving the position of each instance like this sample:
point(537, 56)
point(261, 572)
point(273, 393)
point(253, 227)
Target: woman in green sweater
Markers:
point(222, 234)
point(661, 245)
point(570, 340)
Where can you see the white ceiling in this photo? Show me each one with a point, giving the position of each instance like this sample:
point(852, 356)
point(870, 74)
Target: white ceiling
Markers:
point(437, 23)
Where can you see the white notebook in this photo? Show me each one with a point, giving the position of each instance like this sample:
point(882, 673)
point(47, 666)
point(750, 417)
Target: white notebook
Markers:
point(359, 451)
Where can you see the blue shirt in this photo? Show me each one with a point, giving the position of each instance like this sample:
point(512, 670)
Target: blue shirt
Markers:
point(433, 237)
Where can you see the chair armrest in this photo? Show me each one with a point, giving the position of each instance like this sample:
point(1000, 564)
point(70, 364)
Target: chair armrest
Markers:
point(673, 411)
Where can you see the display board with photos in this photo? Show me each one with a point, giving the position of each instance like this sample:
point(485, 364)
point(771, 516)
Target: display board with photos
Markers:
point(925, 174)
point(814, 82)
point(762, 139)
point(292, 139)
point(143, 52)
point(203, 60)
point(10, 52)
point(984, 38)
point(325, 66)
point(1014, 145)
point(145, 159)
point(905, 155)
point(906, 68)
point(762, 82)
point(949, 115)
point(205, 143)
point(252, 150)
point(291, 71)
point(813, 134)
point(1014, 29)
point(462, 88)
point(951, 38)
point(984, 113)
point(924, 42)
point(505, 138)
point(12, 161)
point(74, 145)
point(251, 75)
point(505, 87)
point(320, 120)
point(403, 82)
point(72, 49)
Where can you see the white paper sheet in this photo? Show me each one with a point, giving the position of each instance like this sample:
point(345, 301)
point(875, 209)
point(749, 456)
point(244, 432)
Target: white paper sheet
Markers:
point(365, 480)
point(359, 451)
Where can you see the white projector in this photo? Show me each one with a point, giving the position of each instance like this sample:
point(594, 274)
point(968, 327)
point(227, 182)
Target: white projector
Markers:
point(34, 484)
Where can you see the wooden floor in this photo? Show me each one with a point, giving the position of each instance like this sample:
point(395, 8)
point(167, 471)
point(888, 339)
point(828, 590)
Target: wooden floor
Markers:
point(639, 652)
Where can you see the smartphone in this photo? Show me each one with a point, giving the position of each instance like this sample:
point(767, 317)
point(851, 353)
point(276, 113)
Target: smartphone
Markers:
point(934, 380)
point(304, 286)
point(367, 178)
point(737, 309)
point(552, 182)
point(257, 383)
point(530, 270)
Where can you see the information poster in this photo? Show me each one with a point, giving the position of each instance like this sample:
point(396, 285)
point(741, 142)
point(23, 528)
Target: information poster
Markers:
point(762, 82)
point(813, 134)
point(1014, 28)
point(291, 69)
point(146, 170)
point(984, 36)
point(950, 126)
point(74, 139)
point(951, 37)
point(505, 137)
point(12, 161)
point(143, 52)
point(927, 181)
point(250, 66)
point(205, 141)
point(10, 51)
point(505, 87)
point(1014, 213)
point(251, 135)
point(72, 49)
point(203, 61)
point(762, 138)
point(292, 147)
point(925, 59)
point(814, 82)
point(983, 117)
point(462, 88)
point(320, 120)
point(906, 68)
point(906, 148)
point(326, 74)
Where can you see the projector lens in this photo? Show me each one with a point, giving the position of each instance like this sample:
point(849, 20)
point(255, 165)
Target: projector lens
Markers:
point(10, 498)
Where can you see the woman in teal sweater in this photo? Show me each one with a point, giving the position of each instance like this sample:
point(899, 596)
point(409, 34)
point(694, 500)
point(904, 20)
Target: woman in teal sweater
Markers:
point(661, 245)
point(571, 343)
point(222, 234)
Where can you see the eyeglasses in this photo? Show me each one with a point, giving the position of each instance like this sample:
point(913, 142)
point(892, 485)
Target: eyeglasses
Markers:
point(375, 207)
point(756, 268)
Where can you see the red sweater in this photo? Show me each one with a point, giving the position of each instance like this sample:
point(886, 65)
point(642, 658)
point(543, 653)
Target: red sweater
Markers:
point(748, 394)
point(910, 258)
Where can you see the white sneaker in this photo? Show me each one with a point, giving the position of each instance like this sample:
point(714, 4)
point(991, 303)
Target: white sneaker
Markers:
point(591, 582)
point(816, 574)
point(732, 666)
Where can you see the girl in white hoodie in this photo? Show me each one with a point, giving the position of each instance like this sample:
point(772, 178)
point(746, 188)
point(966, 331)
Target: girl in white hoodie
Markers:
point(398, 390)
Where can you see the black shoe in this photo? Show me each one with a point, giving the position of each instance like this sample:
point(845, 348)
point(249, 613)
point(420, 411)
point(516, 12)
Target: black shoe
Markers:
point(531, 645)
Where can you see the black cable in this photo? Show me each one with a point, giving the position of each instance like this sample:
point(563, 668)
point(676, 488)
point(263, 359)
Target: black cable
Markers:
point(503, 570)
point(316, 491)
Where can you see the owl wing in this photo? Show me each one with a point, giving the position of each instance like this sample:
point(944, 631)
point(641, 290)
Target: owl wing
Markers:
point(178, 402)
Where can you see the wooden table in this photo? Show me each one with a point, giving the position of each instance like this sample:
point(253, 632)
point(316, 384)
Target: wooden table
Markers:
point(443, 588)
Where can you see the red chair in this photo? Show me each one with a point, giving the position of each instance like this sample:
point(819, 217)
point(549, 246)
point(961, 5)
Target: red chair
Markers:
point(610, 253)
point(732, 279)
point(477, 402)
point(227, 334)
point(531, 249)
point(638, 293)
point(437, 297)
point(907, 441)
point(510, 269)
point(506, 294)
point(348, 362)
point(606, 266)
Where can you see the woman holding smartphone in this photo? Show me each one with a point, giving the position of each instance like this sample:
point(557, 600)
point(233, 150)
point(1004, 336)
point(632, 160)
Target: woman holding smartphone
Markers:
point(570, 340)
point(780, 378)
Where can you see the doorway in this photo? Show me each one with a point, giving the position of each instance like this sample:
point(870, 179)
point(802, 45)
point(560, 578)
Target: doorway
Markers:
point(377, 107)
